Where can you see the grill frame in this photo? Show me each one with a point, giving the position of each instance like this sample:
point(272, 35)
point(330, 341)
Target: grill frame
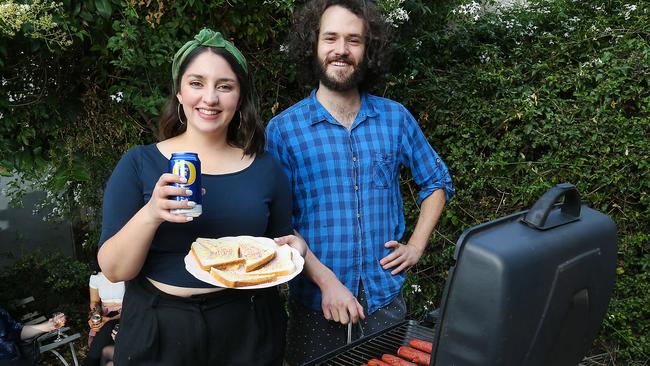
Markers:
point(374, 345)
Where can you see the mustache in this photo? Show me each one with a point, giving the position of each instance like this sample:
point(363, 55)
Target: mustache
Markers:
point(345, 59)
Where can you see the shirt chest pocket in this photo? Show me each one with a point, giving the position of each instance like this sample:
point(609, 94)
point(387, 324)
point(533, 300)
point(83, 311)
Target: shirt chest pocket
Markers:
point(383, 167)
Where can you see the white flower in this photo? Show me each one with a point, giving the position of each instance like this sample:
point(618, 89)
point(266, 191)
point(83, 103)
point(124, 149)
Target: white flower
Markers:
point(117, 97)
point(471, 10)
point(629, 8)
point(397, 17)
point(416, 288)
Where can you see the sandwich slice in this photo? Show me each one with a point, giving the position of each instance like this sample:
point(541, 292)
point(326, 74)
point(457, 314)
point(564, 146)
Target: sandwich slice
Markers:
point(215, 253)
point(239, 278)
point(255, 254)
point(281, 265)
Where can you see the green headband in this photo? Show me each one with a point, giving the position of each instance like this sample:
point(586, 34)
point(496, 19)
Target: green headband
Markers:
point(207, 38)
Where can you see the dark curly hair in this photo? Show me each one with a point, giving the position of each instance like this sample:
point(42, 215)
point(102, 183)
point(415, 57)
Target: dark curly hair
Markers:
point(303, 39)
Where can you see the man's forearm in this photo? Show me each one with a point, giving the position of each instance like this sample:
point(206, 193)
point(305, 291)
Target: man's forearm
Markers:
point(430, 212)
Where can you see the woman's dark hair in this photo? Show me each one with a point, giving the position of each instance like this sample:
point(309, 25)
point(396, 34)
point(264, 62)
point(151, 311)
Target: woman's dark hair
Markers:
point(303, 39)
point(94, 265)
point(245, 131)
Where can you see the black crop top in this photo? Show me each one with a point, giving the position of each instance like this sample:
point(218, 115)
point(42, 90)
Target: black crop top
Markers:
point(255, 201)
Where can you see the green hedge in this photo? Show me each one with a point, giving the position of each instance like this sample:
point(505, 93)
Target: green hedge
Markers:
point(515, 100)
point(57, 283)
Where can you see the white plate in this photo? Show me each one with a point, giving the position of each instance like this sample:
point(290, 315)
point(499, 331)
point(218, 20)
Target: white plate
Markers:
point(193, 267)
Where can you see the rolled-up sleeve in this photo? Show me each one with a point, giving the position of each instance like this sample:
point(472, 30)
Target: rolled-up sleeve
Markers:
point(428, 169)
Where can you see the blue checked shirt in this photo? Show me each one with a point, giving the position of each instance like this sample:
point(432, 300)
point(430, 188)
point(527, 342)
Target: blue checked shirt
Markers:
point(345, 186)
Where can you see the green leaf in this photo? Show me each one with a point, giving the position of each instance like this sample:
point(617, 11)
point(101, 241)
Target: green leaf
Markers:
point(104, 8)
point(80, 173)
point(86, 16)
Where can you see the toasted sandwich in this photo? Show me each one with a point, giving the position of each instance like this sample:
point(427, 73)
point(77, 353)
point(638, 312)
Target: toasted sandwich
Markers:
point(216, 253)
point(239, 278)
point(281, 265)
point(256, 254)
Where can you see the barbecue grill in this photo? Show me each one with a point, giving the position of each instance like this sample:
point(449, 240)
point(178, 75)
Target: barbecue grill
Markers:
point(529, 289)
point(375, 345)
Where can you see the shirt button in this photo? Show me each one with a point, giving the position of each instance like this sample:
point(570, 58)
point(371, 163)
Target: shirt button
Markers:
point(358, 215)
point(356, 187)
point(354, 158)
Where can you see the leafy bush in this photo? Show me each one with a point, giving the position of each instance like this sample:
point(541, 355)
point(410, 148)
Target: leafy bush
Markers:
point(520, 99)
point(57, 282)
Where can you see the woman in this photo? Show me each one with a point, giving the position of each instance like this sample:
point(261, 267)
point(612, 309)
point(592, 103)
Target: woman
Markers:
point(168, 316)
point(105, 300)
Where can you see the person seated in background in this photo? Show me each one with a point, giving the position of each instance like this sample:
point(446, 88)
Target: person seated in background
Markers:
point(105, 305)
point(13, 332)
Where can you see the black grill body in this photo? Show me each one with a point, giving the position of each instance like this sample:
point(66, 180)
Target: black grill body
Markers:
point(530, 289)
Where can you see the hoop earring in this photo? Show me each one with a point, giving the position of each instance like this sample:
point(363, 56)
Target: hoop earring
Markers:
point(178, 110)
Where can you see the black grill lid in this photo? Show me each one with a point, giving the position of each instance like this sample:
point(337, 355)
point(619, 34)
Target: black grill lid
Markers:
point(530, 288)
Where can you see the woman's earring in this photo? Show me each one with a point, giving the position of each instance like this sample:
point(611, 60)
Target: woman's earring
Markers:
point(178, 110)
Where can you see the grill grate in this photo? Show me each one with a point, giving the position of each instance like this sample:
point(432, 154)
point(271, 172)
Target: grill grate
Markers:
point(373, 346)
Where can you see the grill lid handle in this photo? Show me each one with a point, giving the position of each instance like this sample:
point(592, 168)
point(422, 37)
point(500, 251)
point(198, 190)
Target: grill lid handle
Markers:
point(538, 215)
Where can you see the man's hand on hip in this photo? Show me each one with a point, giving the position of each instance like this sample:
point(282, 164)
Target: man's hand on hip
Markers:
point(339, 304)
point(403, 256)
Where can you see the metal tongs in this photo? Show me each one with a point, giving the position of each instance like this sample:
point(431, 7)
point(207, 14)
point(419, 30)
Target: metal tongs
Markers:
point(349, 332)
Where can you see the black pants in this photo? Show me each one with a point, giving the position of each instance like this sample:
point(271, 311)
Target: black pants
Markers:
point(230, 327)
point(100, 340)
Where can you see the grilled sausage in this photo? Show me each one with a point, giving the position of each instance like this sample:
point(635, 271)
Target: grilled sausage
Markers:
point(421, 345)
point(412, 354)
point(395, 361)
point(376, 362)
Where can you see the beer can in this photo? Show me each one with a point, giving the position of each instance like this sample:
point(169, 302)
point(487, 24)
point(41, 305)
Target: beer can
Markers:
point(188, 166)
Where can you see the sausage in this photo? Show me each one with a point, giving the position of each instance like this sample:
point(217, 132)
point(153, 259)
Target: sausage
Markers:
point(395, 361)
point(376, 362)
point(412, 354)
point(421, 345)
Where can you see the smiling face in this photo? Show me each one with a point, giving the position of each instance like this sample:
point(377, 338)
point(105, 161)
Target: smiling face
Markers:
point(209, 92)
point(340, 50)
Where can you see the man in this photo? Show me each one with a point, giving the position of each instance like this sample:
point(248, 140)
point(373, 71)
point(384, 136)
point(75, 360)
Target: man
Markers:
point(342, 149)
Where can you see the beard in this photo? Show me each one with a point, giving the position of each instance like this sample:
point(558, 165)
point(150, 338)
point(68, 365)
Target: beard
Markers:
point(339, 82)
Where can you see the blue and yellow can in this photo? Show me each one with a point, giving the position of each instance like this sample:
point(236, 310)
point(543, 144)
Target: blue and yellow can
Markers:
point(187, 165)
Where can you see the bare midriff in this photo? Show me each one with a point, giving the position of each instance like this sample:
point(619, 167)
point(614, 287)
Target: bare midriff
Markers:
point(183, 291)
